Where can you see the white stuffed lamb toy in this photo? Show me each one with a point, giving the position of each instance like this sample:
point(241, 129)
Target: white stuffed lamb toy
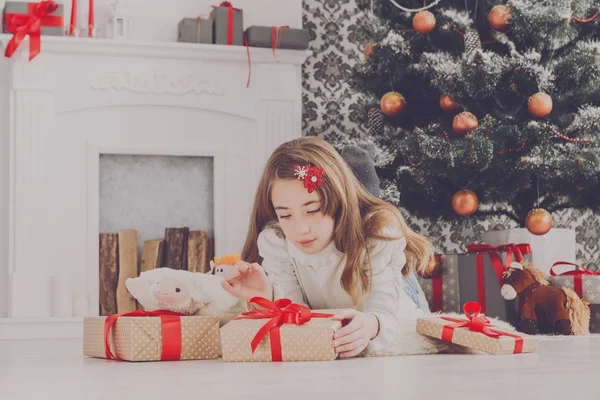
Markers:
point(185, 292)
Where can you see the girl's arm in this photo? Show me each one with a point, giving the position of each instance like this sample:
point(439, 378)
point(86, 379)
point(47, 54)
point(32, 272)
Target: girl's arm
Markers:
point(279, 269)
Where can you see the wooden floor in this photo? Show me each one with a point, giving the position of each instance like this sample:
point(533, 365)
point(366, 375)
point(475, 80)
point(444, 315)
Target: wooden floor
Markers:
point(56, 369)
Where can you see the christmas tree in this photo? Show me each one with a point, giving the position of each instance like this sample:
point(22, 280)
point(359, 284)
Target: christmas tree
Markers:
point(483, 107)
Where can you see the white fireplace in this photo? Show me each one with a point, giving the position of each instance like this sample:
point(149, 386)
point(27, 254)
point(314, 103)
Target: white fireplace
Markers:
point(82, 99)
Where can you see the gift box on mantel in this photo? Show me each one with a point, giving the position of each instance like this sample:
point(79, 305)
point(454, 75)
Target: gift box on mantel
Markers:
point(33, 20)
point(584, 282)
point(279, 331)
point(476, 332)
point(228, 24)
point(277, 37)
point(195, 30)
point(152, 336)
point(474, 276)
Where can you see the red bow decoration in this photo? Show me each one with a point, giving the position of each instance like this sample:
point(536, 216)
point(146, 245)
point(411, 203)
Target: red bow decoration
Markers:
point(279, 312)
point(578, 273)
point(38, 15)
point(477, 323)
point(171, 332)
point(311, 176)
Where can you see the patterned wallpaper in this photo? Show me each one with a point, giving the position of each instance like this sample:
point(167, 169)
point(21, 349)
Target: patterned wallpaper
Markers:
point(332, 108)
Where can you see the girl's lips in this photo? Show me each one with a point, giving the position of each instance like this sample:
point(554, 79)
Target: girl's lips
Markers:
point(307, 242)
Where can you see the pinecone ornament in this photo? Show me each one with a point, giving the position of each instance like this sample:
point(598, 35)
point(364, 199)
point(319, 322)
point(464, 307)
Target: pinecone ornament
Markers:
point(375, 121)
point(472, 40)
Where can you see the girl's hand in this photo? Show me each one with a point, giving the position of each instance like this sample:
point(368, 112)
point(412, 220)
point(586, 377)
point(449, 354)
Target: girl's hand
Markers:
point(351, 339)
point(246, 281)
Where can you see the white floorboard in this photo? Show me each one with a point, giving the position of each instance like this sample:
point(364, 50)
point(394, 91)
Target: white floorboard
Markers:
point(57, 370)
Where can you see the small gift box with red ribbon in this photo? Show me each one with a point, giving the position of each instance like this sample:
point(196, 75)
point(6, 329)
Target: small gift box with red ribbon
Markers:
point(33, 20)
point(474, 276)
point(152, 336)
point(279, 331)
point(476, 332)
point(195, 30)
point(228, 24)
point(277, 37)
point(584, 282)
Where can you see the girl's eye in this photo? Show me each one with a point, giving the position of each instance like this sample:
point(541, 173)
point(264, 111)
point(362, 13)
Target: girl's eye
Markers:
point(284, 216)
point(314, 211)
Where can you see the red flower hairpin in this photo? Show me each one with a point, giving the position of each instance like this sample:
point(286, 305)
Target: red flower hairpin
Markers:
point(311, 176)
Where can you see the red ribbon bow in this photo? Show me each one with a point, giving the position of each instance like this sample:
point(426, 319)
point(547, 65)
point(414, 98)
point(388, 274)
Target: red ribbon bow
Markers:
point(477, 323)
point(38, 15)
point(170, 326)
point(578, 273)
point(513, 251)
point(279, 312)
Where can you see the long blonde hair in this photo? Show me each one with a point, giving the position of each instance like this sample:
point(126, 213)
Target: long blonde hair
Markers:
point(358, 215)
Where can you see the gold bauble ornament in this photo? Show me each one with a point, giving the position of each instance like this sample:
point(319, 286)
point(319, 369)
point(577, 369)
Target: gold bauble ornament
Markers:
point(392, 104)
point(540, 105)
point(538, 221)
point(447, 104)
point(465, 202)
point(424, 22)
point(498, 17)
point(368, 50)
point(464, 122)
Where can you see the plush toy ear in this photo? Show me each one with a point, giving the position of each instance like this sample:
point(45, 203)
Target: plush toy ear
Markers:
point(516, 265)
point(206, 289)
point(141, 289)
point(212, 268)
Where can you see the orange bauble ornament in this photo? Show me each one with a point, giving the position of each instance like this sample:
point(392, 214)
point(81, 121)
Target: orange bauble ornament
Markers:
point(465, 202)
point(368, 50)
point(432, 270)
point(540, 105)
point(447, 104)
point(464, 122)
point(498, 17)
point(392, 104)
point(538, 221)
point(424, 22)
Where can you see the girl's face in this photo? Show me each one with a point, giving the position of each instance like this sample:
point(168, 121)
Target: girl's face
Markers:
point(300, 216)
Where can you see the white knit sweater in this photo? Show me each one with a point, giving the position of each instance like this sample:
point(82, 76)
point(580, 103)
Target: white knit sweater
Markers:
point(314, 280)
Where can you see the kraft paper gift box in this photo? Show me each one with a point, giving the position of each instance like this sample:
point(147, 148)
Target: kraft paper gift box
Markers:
point(228, 25)
point(152, 336)
point(474, 276)
point(16, 11)
point(277, 37)
point(282, 331)
point(195, 30)
point(476, 332)
point(583, 281)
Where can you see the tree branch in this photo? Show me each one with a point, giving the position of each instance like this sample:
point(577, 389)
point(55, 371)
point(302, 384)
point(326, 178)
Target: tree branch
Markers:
point(507, 213)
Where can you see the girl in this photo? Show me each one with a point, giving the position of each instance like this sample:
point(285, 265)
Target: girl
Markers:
point(319, 238)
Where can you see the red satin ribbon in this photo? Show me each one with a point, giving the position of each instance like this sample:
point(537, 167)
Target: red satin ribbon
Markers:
point(436, 288)
point(477, 323)
point(279, 312)
point(576, 273)
point(38, 15)
point(170, 327)
point(515, 251)
point(276, 36)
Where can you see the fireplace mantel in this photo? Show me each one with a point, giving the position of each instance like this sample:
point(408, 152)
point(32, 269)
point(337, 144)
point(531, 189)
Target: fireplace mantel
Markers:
point(80, 98)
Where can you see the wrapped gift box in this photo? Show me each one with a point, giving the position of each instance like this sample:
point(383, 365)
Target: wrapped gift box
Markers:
point(474, 276)
point(228, 25)
point(51, 25)
point(475, 332)
point(195, 30)
point(556, 245)
point(153, 338)
point(300, 341)
point(594, 318)
point(277, 37)
point(583, 281)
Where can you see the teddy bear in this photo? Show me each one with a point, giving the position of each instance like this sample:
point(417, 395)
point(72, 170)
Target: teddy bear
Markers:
point(192, 293)
point(223, 266)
